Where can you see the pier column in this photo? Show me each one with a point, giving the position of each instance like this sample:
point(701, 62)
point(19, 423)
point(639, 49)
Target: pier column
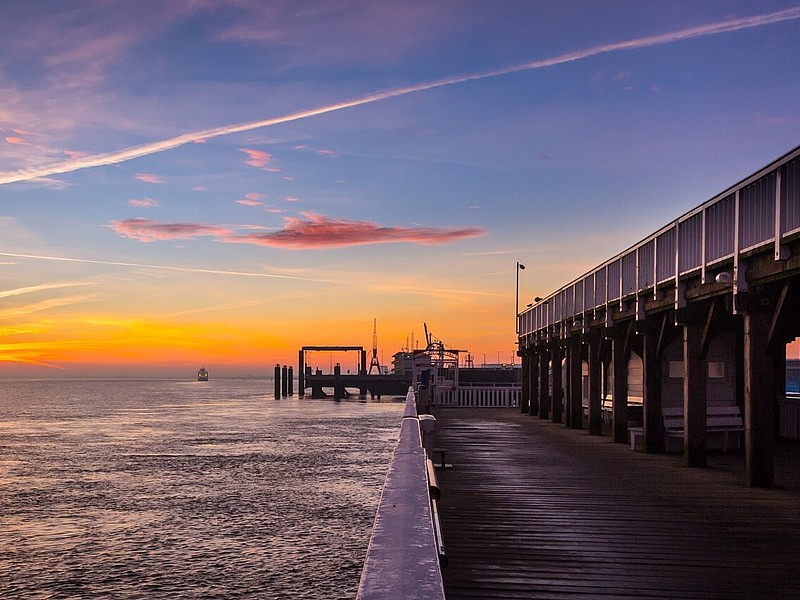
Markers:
point(544, 383)
point(557, 410)
point(301, 371)
point(619, 416)
point(595, 384)
point(524, 403)
point(653, 374)
point(285, 381)
point(760, 366)
point(290, 381)
point(277, 381)
point(575, 378)
point(535, 357)
point(338, 388)
point(694, 395)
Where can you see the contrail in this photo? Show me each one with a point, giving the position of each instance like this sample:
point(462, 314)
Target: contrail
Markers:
point(186, 138)
point(166, 267)
point(397, 288)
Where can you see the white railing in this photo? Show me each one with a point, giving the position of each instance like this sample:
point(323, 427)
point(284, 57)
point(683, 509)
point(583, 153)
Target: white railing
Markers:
point(482, 396)
point(403, 558)
point(758, 213)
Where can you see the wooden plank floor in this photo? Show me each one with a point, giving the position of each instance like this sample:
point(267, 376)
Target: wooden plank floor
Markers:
point(533, 510)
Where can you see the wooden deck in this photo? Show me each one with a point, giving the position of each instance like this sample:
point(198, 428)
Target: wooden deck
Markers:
point(533, 510)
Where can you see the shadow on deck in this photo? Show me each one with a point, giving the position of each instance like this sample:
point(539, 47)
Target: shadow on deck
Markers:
point(533, 510)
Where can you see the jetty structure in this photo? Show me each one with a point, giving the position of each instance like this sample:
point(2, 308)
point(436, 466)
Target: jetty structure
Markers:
point(694, 320)
point(434, 372)
point(668, 356)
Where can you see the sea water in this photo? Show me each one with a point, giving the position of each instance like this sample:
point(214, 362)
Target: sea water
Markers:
point(184, 489)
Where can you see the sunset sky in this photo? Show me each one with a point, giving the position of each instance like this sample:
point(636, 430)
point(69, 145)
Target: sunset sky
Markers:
point(216, 183)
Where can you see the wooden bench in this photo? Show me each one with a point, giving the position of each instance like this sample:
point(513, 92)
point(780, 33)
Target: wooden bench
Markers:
point(719, 419)
point(442, 453)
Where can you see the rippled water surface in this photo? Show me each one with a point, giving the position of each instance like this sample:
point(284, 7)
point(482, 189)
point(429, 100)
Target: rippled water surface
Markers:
point(163, 489)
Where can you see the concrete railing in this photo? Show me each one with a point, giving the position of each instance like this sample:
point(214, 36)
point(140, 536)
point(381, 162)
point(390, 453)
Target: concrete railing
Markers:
point(403, 555)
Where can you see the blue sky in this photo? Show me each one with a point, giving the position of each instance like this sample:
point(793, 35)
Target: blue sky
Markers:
point(345, 161)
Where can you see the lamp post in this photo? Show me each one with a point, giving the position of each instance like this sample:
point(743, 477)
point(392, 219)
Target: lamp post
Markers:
point(516, 314)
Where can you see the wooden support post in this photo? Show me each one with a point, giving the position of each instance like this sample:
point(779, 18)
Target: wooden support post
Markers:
point(619, 417)
point(338, 389)
point(524, 403)
point(759, 399)
point(284, 381)
point(557, 399)
point(694, 395)
point(652, 367)
point(595, 386)
point(277, 381)
point(290, 381)
point(301, 373)
point(533, 408)
point(575, 419)
point(544, 383)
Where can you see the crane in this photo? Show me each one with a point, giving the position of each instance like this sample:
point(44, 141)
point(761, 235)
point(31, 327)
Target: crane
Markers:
point(373, 362)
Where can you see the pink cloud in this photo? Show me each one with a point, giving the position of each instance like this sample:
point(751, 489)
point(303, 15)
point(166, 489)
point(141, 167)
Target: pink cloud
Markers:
point(318, 231)
point(313, 231)
point(326, 153)
point(146, 230)
point(291, 199)
point(259, 159)
point(148, 178)
point(143, 202)
point(199, 188)
point(251, 199)
point(12, 139)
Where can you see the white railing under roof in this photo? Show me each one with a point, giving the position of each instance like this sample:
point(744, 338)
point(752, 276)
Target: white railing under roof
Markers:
point(760, 211)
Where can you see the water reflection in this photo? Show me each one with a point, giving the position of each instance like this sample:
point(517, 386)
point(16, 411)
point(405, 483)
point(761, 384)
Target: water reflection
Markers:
point(139, 489)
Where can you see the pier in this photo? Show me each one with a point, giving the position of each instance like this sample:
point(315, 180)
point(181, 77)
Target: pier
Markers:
point(680, 340)
point(652, 449)
point(532, 509)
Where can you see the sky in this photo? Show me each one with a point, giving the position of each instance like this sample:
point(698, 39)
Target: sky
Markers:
point(217, 183)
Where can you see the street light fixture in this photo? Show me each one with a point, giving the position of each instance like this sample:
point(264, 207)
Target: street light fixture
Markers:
point(520, 266)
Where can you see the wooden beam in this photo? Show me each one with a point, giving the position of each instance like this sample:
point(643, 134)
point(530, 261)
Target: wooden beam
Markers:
point(759, 400)
point(778, 327)
point(708, 328)
point(694, 396)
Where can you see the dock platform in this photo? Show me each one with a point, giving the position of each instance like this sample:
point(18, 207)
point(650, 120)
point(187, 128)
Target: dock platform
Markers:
point(531, 509)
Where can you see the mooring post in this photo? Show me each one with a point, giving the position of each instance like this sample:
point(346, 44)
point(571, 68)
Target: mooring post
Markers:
point(277, 381)
point(284, 382)
point(338, 392)
point(301, 374)
point(290, 381)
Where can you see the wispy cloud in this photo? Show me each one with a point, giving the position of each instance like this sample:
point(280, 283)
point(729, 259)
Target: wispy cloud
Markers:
point(726, 26)
point(252, 199)
point(32, 289)
point(146, 230)
point(113, 263)
point(149, 178)
point(143, 202)
point(260, 159)
point(313, 231)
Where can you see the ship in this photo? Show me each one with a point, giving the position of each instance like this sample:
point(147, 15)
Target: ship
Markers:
point(202, 375)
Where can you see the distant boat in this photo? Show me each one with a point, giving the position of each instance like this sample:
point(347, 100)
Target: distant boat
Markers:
point(202, 375)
